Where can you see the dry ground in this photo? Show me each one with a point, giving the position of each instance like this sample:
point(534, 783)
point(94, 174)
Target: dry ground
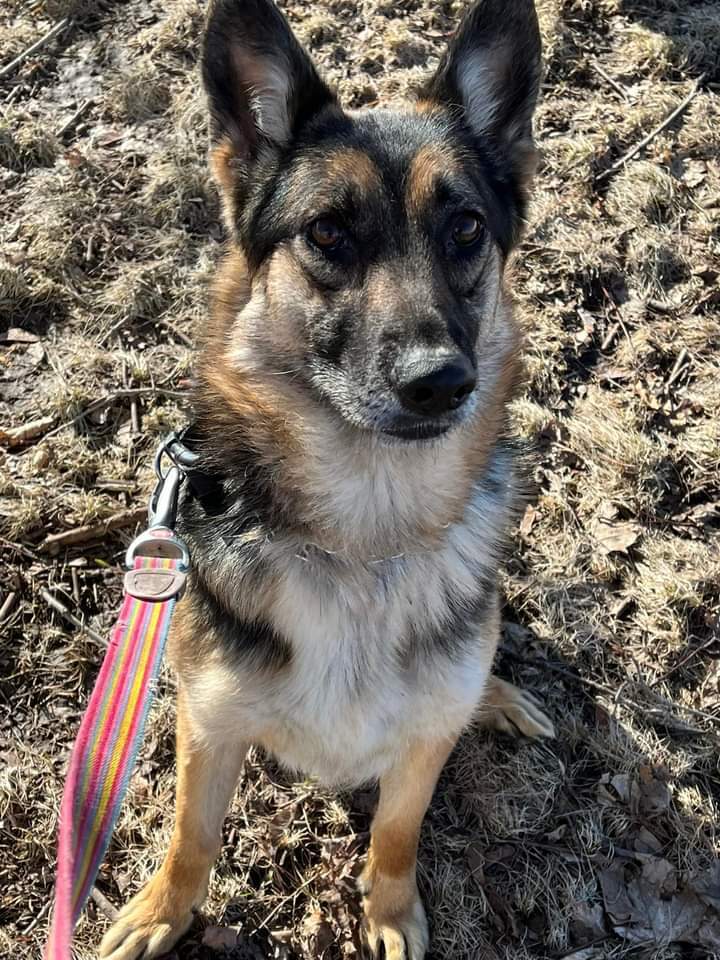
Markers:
point(602, 843)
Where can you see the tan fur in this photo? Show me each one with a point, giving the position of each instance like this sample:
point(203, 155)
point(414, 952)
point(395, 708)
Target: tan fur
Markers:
point(237, 399)
point(223, 161)
point(428, 166)
point(393, 911)
point(162, 911)
point(507, 384)
point(427, 105)
point(352, 165)
point(276, 416)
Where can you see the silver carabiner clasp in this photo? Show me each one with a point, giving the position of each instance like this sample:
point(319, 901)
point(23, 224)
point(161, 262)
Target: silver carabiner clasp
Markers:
point(162, 510)
point(160, 540)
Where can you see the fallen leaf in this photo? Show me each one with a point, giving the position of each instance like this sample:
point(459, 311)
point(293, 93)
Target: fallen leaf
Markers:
point(661, 874)
point(18, 335)
point(588, 921)
point(615, 537)
point(221, 938)
point(615, 895)
point(707, 886)
point(646, 842)
point(475, 856)
point(662, 921)
point(607, 511)
point(526, 524)
point(645, 909)
point(654, 793)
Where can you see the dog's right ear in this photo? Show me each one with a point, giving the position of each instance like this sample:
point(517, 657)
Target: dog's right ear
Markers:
point(261, 85)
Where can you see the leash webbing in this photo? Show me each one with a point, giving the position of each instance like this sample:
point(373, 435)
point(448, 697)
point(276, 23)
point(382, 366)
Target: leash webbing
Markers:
point(105, 750)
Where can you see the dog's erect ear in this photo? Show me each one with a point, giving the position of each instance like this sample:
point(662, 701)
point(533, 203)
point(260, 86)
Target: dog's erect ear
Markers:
point(261, 84)
point(491, 71)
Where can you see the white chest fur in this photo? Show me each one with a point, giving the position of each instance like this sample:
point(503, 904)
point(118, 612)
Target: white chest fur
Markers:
point(370, 669)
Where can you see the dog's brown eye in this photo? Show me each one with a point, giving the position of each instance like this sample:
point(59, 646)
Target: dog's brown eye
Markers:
point(326, 233)
point(466, 229)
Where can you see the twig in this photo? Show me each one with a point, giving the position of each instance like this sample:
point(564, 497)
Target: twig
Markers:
point(285, 900)
point(686, 659)
point(641, 144)
point(8, 604)
point(664, 716)
point(79, 113)
point(60, 607)
point(23, 551)
point(39, 916)
point(46, 38)
point(609, 337)
point(659, 307)
point(75, 577)
point(92, 531)
point(178, 334)
point(108, 400)
point(134, 416)
point(104, 905)
point(677, 368)
point(611, 80)
point(111, 485)
point(17, 436)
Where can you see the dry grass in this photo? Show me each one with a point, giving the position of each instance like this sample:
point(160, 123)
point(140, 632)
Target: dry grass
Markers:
point(109, 232)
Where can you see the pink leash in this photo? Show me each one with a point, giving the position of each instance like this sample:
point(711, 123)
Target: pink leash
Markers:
point(112, 729)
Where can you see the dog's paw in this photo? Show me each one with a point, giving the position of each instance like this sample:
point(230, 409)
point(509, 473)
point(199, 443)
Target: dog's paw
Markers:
point(511, 710)
point(404, 936)
point(395, 925)
point(148, 926)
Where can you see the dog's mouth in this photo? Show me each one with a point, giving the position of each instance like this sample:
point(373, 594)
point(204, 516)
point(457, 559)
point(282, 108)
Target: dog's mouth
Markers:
point(419, 431)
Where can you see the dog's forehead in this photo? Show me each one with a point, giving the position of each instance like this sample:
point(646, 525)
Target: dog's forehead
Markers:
point(379, 154)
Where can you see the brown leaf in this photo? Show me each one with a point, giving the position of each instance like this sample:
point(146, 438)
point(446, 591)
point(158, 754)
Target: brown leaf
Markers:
point(707, 886)
point(318, 931)
point(660, 874)
point(662, 921)
point(646, 842)
point(526, 524)
point(18, 335)
point(615, 896)
point(615, 537)
point(654, 792)
point(644, 909)
point(588, 921)
point(221, 938)
point(475, 856)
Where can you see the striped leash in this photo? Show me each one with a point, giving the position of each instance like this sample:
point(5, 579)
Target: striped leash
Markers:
point(112, 729)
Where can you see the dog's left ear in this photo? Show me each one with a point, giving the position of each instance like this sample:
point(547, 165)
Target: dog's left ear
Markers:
point(491, 72)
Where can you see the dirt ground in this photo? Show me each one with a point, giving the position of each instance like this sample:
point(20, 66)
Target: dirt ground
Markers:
point(601, 843)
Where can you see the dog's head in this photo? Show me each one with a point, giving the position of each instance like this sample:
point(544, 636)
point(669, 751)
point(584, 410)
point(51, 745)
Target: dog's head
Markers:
point(373, 241)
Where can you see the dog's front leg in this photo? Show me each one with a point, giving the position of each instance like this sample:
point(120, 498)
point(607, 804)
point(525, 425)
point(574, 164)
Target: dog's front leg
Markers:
point(158, 916)
point(394, 914)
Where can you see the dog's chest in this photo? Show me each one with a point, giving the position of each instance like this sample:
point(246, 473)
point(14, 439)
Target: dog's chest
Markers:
point(381, 652)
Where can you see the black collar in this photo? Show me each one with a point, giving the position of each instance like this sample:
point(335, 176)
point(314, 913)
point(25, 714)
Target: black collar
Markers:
point(179, 448)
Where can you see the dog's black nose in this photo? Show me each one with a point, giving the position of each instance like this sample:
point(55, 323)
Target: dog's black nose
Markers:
point(433, 385)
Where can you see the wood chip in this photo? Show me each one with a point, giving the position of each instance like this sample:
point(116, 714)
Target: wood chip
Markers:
point(92, 531)
point(17, 436)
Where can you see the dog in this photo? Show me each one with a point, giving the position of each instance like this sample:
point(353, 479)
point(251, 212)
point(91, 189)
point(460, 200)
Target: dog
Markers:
point(351, 423)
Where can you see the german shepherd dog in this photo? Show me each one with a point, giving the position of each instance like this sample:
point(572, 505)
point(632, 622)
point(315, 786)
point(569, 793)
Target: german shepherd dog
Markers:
point(351, 414)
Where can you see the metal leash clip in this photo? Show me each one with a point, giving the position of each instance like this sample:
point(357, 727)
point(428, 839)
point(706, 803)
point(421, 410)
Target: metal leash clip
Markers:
point(159, 540)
